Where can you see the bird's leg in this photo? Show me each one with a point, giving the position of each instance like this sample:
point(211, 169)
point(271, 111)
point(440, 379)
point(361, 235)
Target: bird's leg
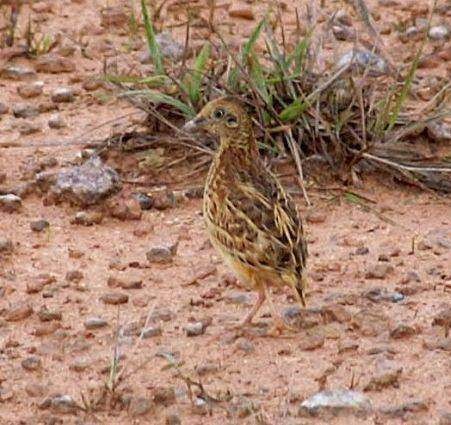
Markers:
point(279, 323)
point(260, 300)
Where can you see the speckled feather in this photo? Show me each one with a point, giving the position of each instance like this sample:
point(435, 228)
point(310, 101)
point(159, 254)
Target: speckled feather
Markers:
point(250, 218)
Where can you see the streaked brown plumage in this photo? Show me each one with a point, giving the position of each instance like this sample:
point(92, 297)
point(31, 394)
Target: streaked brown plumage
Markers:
point(252, 222)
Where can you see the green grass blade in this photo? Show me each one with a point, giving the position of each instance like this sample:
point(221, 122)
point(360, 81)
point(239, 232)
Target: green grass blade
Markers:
point(152, 44)
point(393, 116)
point(258, 77)
point(298, 56)
point(294, 110)
point(157, 97)
point(200, 65)
point(249, 45)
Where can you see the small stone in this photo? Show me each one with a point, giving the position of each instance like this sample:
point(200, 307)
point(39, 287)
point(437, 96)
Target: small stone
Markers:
point(63, 95)
point(244, 345)
point(195, 329)
point(26, 128)
point(114, 17)
point(343, 33)
point(139, 406)
point(163, 314)
point(114, 298)
point(151, 332)
point(63, 404)
point(46, 315)
point(386, 377)
point(145, 201)
point(316, 217)
point(3, 109)
point(39, 225)
point(32, 363)
point(381, 294)
point(95, 323)
point(347, 346)
point(443, 318)
point(80, 365)
point(31, 90)
point(411, 33)
point(365, 61)
point(35, 389)
point(335, 313)
point(400, 411)
point(238, 298)
point(334, 402)
point(74, 276)
point(343, 18)
point(124, 209)
point(164, 396)
point(362, 250)
point(6, 246)
point(438, 33)
point(378, 271)
point(92, 84)
point(23, 110)
point(15, 72)
point(54, 64)
point(236, 11)
point(311, 342)
point(445, 419)
point(10, 203)
point(173, 419)
point(162, 254)
point(86, 184)
point(56, 122)
point(439, 131)
point(206, 368)
point(87, 218)
point(402, 331)
point(163, 200)
point(41, 7)
point(18, 312)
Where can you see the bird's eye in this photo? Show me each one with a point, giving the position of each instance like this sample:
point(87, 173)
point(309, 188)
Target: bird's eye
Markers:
point(232, 121)
point(218, 113)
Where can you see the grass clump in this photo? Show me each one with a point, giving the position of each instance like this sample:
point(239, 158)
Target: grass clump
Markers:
point(346, 117)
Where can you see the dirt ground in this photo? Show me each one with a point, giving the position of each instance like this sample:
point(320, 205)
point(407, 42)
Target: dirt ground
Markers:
point(72, 296)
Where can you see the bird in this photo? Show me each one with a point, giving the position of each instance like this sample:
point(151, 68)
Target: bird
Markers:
point(251, 220)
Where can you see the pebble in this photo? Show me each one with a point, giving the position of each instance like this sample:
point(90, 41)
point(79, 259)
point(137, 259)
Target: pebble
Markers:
point(54, 64)
point(364, 60)
point(443, 318)
point(335, 402)
point(95, 323)
point(402, 331)
point(316, 217)
point(74, 276)
point(31, 90)
point(378, 271)
point(164, 396)
point(207, 367)
point(114, 17)
point(151, 332)
point(343, 18)
point(238, 298)
point(145, 201)
point(438, 33)
point(244, 345)
point(39, 225)
point(124, 284)
point(162, 313)
point(382, 294)
point(173, 419)
point(236, 11)
point(114, 298)
point(311, 342)
point(46, 315)
point(26, 128)
point(6, 246)
point(32, 363)
point(87, 184)
point(388, 376)
point(195, 329)
point(87, 218)
point(10, 203)
point(63, 95)
point(35, 389)
point(401, 410)
point(139, 406)
point(3, 109)
point(63, 404)
point(18, 312)
point(56, 121)
point(24, 110)
point(80, 365)
point(163, 254)
point(439, 131)
point(15, 72)
point(343, 33)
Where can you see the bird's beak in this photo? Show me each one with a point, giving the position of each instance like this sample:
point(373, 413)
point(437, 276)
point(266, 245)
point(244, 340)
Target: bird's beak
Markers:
point(194, 124)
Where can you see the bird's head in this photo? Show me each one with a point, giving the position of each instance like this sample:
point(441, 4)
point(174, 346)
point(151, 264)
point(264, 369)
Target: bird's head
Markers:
point(223, 117)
